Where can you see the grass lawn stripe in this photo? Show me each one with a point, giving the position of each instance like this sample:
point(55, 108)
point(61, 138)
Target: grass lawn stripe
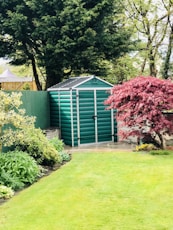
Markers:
point(97, 191)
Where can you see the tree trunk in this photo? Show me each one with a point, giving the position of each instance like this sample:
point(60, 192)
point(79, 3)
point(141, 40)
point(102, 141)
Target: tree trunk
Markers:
point(34, 69)
point(168, 56)
point(33, 63)
point(162, 142)
point(143, 65)
point(153, 71)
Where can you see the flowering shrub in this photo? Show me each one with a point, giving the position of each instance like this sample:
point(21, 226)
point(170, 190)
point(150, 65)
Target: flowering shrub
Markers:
point(6, 192)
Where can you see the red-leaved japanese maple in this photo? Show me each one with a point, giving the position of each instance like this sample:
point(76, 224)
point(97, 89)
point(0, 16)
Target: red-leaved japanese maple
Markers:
point(140, 105)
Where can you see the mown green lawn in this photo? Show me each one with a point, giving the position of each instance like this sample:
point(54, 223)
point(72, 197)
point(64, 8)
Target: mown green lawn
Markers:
point(97, 191)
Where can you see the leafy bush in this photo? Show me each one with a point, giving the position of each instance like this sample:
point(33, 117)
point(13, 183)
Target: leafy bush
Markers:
point(65, 156)
point(18, 129)
point(13, 119)
point(6, 192)
point(37, 145)
point(17, 169)
point(59, 146)
point(145, 147)
point(57, 143)
point(161, 152)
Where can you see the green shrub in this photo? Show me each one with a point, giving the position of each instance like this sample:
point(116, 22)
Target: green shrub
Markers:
point(65, 156)
point(37, 145)
point(145, 147)
point(161, 152)
point(6, 192)
point(57, 144)
point(18, 169)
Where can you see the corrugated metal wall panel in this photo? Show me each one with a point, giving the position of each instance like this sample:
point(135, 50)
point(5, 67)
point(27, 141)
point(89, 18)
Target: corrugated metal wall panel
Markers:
point(65, 116)
point(86, 117)
point(104, 121)
point(75, 128)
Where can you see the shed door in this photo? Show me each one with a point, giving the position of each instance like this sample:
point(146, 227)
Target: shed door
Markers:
point(95, 124)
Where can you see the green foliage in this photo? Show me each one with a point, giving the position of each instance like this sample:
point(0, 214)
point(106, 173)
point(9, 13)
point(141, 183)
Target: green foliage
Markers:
point(123, 69)
point(65, 156)
point(5, 192)
point(57, 143)
point(26, 86)
point(77, 35)
point(59, 146)
point(161, 152)
point(145, 147)
point(18, 169)
point(35, 143)
point(20, 131)
point(12, 118)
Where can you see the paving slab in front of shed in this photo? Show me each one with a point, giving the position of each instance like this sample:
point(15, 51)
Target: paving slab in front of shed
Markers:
point(117, 146)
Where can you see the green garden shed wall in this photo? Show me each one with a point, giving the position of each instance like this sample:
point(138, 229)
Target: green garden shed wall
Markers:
point(77, 109)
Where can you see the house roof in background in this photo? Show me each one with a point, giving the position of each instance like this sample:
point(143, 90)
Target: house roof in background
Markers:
point(8, 76)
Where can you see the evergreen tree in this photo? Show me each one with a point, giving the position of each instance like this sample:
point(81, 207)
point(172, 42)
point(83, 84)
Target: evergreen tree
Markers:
point(62, 38)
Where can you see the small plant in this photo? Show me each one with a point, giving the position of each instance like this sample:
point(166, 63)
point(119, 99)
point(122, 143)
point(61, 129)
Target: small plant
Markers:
point(65, 156)
point(26, 87)
point(6, 192)
point(59, 146)
point(161, 152)
point(18, 169)
point(57, 143)
point(145, 147)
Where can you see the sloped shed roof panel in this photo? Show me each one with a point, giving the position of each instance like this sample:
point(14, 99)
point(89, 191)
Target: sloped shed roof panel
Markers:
point(83, 82)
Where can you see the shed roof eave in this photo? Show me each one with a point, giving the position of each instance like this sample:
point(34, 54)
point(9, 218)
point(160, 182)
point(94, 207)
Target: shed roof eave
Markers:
point(87, 88)
point(76, 82)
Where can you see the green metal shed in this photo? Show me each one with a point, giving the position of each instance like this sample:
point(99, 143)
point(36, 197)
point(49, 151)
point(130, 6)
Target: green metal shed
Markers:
point(77, 109)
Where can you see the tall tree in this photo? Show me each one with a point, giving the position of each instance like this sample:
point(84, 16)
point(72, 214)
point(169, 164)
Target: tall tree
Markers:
point(167, 60)
point(63, 37)
point(152, 23)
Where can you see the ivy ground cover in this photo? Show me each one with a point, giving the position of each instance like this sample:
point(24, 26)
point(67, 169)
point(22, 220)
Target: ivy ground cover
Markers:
point(97, 191)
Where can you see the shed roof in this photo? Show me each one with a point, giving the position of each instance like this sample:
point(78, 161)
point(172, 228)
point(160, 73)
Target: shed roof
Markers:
point(75, 82)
